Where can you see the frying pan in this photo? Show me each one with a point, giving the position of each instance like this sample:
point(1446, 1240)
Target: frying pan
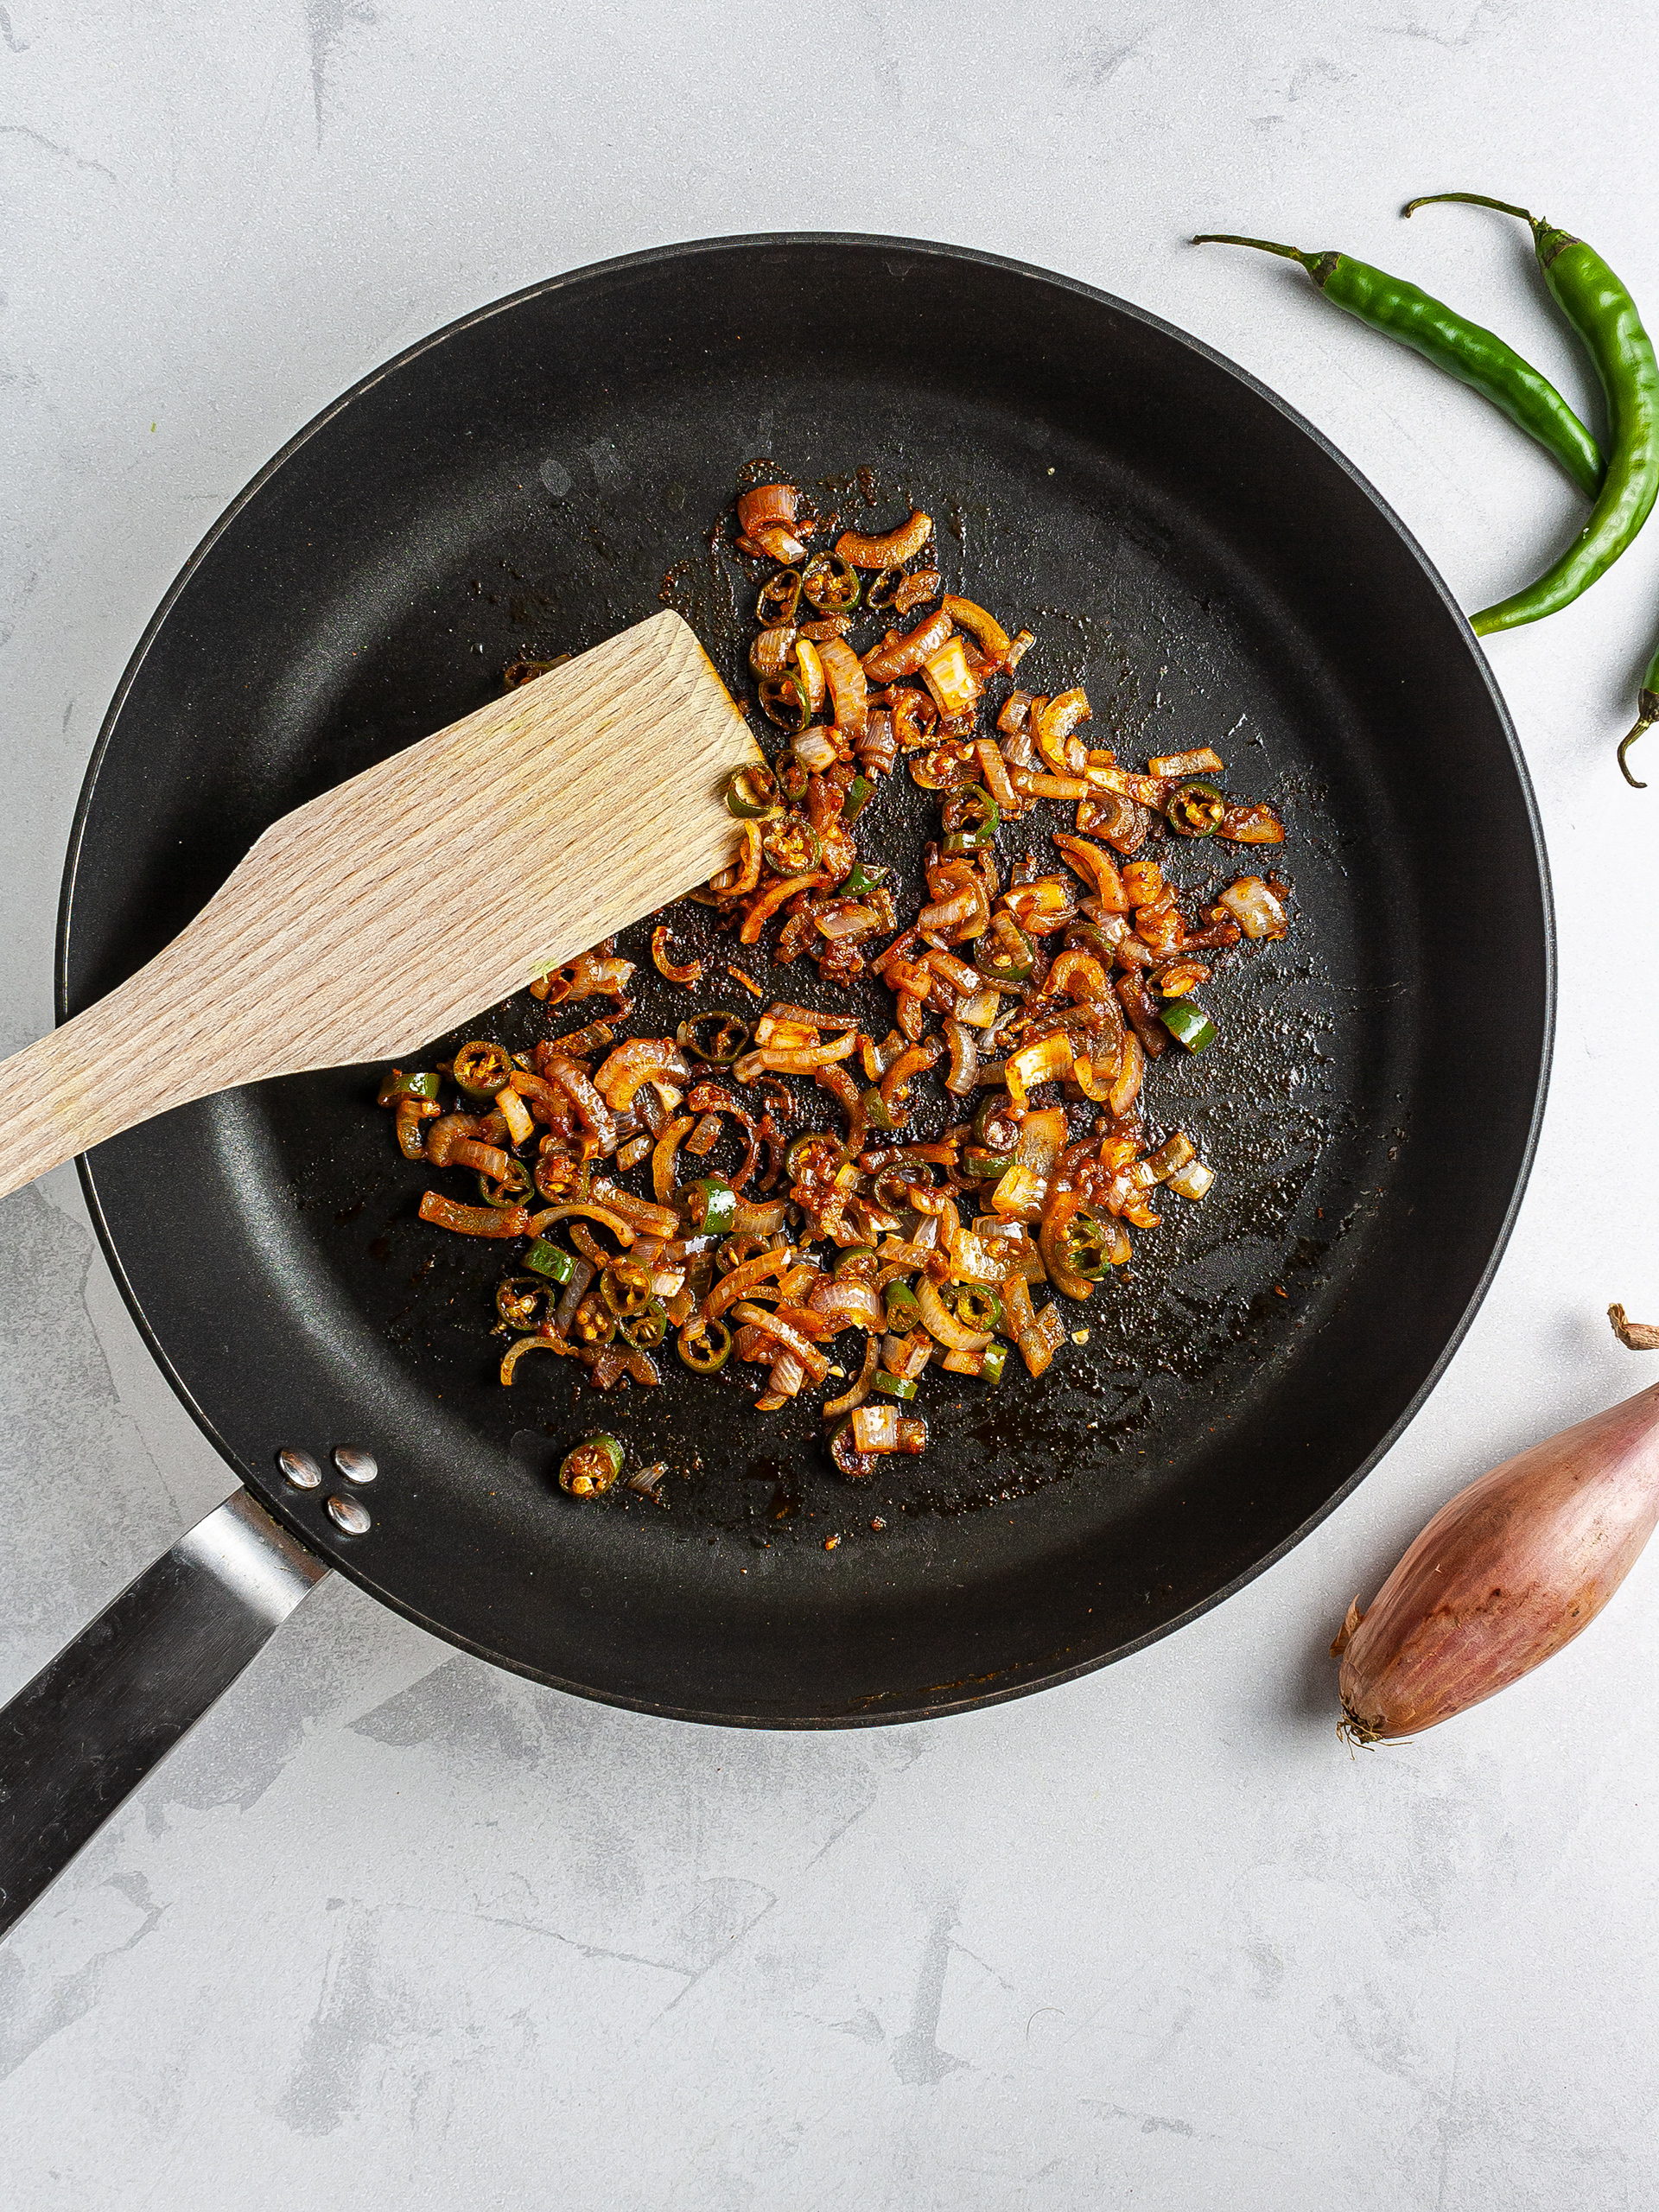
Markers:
point(531, 480)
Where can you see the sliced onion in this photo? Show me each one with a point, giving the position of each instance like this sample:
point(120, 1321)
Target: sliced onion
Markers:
point(952, 914)
point(767, 503)
point(875, 1428)
point(809, 671)
point(1131, 1071)
point(849, 686)
point(1094, 862)
point(639, 1060)
point(1042, 1136)
point(861, 1387)
point(815, 750)
point(980, 1011)
point(848, 917)
point(769, 653)
point(1174, 1151)
point(955, 971)
point(849, 1305)
point(974, 1260)
point(984, 629)
point(515, 1351)
point(892, 549)
point(1039, 1343)
point(743, 1279)
point(794, 1059)
point(786, 1377)
point(907, 654)
point(1258, 912)
point(573, 1080)
point(1054, 722)
point(658, 1221)
point(1046, 1061)
point(943, 1323)
point(764, 1219)
point(955, 687)
point(1193, 1180)
point(574, 1291)
point(963, 1075)
point(756, 1317)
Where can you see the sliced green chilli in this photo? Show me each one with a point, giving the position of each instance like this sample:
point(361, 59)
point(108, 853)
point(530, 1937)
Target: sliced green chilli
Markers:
point(705, 1346)
point(1196, 807)
point(893, 1386)
point(974, 1306)
point(398, 1085)
point(971, 817)
point(711, 1205)
point(550, 1260)
point(1187, 1024)
point(718, 1037)
point(751, 793)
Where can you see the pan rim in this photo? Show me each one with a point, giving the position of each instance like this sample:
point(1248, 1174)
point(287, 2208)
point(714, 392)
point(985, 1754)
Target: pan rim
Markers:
point(956, 1697)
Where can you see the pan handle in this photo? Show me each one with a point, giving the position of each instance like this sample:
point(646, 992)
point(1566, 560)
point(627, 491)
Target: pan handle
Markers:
point(96, 1720)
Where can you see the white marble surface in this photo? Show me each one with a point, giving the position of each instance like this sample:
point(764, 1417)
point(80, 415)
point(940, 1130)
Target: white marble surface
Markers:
point(394, 1929)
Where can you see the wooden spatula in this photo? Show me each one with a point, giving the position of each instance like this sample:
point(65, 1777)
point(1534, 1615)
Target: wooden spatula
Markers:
point(390, 909)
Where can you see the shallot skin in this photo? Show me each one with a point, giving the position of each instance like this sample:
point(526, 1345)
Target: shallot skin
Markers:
point(1505, 1575)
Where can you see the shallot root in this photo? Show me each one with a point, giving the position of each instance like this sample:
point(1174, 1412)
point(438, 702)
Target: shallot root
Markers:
point(1635, 1336)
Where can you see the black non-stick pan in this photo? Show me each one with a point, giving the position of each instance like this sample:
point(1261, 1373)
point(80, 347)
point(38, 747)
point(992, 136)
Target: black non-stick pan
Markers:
point(533, 478)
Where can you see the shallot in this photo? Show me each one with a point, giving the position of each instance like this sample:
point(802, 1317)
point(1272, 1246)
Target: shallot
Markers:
point(1504, 1576)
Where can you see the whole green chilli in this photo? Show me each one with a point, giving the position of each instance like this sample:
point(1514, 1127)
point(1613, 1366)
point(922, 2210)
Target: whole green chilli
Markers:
point(1475, 356)
point(1600, 309)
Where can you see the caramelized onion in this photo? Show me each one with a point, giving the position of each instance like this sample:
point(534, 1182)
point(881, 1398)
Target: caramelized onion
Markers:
point(815, 750)
point(1100, 868)
point(1046, 1061)
point(886, 662)
point(742, 1280)
point(965, 1060)
point(1039, 1343)
point(764, 903)
point(843, 1304)
point(943, 1323)
point(914, 590)
point(889, 551)
point(488, 1159)
point(1258, 912)
point(767, 515)
point(786, 1334)
point(744, 873)
point(849, 686)
point(986, 631)
point(895, 1083)
point(797, 1060)
point(472, 1221)
point(573, 1079)
point(954, 685)
point(641, 1059)
point(591, 974)
point(1052, 723)
point(583, 1210)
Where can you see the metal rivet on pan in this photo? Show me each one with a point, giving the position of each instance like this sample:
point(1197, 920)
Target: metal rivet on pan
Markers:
point(351, 1515)
point(356, 1464)
point(299, 1468)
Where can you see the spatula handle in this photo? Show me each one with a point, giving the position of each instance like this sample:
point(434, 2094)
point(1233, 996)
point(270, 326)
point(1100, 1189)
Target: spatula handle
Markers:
point(113, 1066)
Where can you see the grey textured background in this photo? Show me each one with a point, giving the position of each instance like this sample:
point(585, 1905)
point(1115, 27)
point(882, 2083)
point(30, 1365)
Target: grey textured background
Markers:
point(392, 1928)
